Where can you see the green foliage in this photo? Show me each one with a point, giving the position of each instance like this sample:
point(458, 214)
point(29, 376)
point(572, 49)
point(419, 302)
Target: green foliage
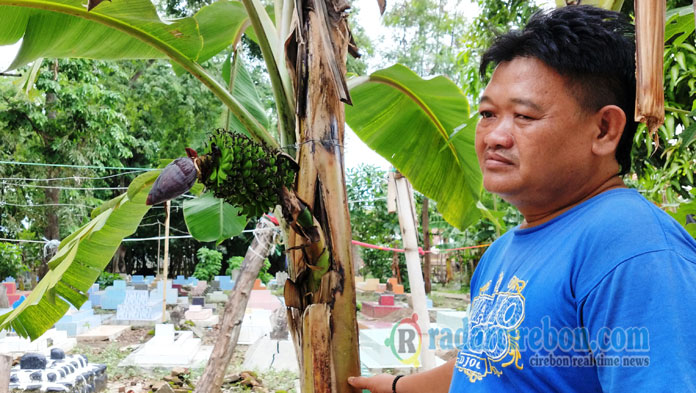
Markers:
point(236, 263)
point(209, 264)
point(106, 279)
point(428, 35)
point(11, 264)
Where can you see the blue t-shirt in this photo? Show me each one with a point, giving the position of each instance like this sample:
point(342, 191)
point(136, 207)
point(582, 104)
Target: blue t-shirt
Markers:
point(599, 298)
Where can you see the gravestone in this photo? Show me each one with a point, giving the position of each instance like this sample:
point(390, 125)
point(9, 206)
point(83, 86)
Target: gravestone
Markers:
point(216, 297)
point(269, 354)
point(279, 324)
point(59, 373)
point(213, 286)
point(137, 279)
point(199, 289)
point(226, 282)
point(180, 280)
point(201, 317)
point(198, 301)
point(369, 285)
point(281, 277)
point(138, 306)
point(172, 295)
point(76, 321)
point(169, 348)
point(141, 286)
point(377, 310)
point(11, 292)
point(234, 274)
point(113, 295)
point(4, 301)
point(386, 300)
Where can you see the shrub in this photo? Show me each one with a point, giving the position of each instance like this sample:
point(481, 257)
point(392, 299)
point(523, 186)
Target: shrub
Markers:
point(209, 264)
point(11, 263)
point(236, 263)
point(107, 279)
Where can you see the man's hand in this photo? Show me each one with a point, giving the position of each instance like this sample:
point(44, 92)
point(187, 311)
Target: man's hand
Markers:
point(381, 383)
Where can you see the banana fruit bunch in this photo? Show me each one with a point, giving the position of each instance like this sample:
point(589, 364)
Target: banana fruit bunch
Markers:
point(245, 173)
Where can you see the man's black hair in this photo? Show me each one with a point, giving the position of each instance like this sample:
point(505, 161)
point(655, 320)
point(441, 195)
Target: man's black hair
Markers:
point(594, 49)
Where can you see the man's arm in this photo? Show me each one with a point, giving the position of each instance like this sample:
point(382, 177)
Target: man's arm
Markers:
point(436, 380)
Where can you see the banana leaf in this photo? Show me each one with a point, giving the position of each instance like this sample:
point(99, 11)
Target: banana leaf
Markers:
point(80, 258)
point(423, 128)
point(211, 219)
point(116, 30)
point(129, 29)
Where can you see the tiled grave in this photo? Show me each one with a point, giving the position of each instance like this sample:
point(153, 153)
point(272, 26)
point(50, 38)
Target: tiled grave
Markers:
point(169, 348)
point(138, 306)
point(75, 321)
point(59, 373)
point(113, 295)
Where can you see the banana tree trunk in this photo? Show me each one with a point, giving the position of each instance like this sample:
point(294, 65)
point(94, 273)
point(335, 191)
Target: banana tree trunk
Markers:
point(212, 377)
point(320, 293)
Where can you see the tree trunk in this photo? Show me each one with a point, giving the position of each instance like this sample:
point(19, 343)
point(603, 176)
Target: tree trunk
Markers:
point(425, 222)
point(320, 293)
point(214, 372)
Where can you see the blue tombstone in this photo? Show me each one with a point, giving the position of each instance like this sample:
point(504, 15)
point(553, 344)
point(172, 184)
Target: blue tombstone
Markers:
point(18, 302)
point(9, 279)
point(137, 279)
point(172, 293)
point(226, 282)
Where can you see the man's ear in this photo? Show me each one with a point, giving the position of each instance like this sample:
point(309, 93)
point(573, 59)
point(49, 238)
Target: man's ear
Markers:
point(611, 121)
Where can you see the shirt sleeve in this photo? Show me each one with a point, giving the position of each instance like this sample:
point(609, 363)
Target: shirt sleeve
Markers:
point(640, 324)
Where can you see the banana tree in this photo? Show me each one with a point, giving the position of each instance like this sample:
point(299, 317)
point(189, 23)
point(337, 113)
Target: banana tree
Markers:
point(423, 127)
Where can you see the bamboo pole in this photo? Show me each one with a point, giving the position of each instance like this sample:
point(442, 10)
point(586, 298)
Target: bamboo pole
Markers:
point(409, 228)
point(212, 377)
point(165, 273)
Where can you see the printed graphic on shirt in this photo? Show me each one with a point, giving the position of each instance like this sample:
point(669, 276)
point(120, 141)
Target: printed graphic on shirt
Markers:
point(493, 339)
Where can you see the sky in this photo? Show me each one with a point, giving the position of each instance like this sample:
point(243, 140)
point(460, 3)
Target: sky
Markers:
point(356, 152)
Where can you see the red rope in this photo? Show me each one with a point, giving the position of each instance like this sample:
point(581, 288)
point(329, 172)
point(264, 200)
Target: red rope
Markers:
point(420, 249)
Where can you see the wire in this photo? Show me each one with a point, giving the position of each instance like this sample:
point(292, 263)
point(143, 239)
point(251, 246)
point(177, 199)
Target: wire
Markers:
point(63, 188)
point(22, 241)
point(68, 178)
point(76, 166)
point(45, 204)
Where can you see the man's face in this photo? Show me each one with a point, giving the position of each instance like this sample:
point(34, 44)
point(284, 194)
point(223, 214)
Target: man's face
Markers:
point(533, 140)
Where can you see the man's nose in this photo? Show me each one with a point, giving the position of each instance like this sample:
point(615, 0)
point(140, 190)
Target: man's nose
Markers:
point(498, 135)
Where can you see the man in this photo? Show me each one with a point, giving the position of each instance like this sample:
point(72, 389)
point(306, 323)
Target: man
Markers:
point(593, 291)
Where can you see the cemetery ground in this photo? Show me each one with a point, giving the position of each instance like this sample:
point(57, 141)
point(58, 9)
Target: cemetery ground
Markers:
point(144, 355)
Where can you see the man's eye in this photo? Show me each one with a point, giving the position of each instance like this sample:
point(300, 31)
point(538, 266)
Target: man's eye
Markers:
point(486, 114)
point(524, 117)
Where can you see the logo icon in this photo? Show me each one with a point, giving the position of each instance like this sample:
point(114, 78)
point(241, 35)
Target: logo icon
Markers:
point(405, 341)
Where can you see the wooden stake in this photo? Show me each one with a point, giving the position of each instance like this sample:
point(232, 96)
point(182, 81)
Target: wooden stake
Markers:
point(407, 222)
point(212, 377)
point(5, 367)
point(165, 273)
